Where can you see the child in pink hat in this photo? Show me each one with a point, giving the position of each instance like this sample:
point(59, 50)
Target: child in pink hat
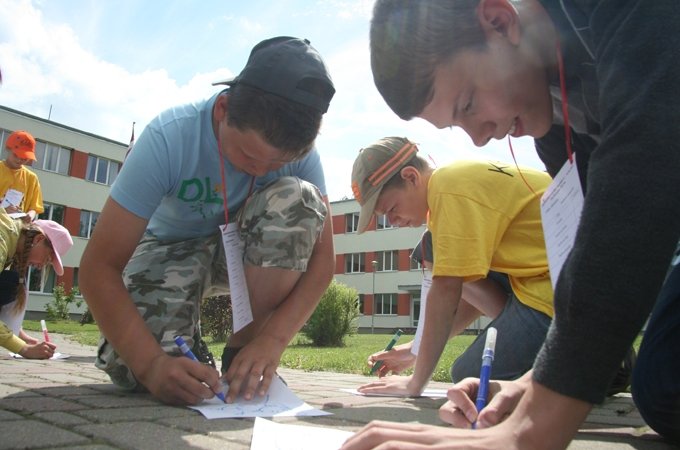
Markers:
point(36, 245)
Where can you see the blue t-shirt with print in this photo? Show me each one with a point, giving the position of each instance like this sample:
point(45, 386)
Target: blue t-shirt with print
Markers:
point(172, 175)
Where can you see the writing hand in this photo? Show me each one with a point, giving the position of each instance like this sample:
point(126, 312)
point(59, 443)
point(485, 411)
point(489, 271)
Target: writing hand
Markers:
point(42, 350)
point(394, 361)
point(181, 381)
point(460, 410)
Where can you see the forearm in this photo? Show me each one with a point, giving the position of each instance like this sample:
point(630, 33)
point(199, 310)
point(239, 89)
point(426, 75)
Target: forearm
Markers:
point(9, 340)
point(442, 302)
point(545, 419)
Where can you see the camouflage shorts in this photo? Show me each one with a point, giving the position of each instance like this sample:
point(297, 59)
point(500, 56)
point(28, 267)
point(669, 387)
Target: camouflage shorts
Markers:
point(279, 224)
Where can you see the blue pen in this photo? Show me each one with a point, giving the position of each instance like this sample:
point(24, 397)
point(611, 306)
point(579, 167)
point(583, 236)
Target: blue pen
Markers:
point(186, 351)
point(394, 340)
point(485, 373)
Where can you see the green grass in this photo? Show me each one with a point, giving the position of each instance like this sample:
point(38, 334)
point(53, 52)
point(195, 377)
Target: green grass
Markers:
point(85, 334)
point(300, 354)
point(351, 358)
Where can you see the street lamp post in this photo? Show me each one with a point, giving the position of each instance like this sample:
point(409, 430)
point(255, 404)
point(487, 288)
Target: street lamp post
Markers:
point(374, 264)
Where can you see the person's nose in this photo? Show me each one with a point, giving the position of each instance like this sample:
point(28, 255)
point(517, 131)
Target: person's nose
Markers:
point(479, 131)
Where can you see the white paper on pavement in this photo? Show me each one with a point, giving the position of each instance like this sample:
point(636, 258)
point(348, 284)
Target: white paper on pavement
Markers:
point(561, 206)
point(280, 401)
point(431, 393)
point(242, 314)
point(56, 355)
point(268, 435)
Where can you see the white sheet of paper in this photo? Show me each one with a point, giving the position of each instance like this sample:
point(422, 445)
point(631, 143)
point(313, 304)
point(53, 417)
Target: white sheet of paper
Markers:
point(424, 290)
point(561, 207)
point(268, 435)
point(17, 215)
point(12, 198)
point(56, 355)
point(431, 393)
point(280, 401)
point(242, 314)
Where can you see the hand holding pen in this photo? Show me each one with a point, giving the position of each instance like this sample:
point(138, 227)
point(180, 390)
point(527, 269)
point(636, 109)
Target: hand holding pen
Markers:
point(485, 372)
point(378, 364)
point(186, 351)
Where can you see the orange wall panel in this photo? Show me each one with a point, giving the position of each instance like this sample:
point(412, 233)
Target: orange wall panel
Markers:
point(79, 164)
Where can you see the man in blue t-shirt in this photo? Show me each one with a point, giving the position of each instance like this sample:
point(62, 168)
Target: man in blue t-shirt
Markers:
point(245, 157)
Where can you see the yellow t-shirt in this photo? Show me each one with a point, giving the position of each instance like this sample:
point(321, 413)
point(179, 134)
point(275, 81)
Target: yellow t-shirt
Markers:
point(484, 217)
point(24, 181)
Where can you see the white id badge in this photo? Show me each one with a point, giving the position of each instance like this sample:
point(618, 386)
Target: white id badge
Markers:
point(561, 206)
point(424, 291)
point(242, 314)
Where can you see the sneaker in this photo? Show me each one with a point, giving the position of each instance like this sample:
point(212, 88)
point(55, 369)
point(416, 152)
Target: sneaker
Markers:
point(202, 352)
point(624, 375)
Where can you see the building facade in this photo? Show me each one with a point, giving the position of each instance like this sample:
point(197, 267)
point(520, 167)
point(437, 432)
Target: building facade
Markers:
point(377, 264)
point(75, 169)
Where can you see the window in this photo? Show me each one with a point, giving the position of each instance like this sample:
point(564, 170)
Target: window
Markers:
point(415, 308)
point(355, 263)
point(53, 212)
point(387, 260)
point(88, 219)
point(382, 223)
point(386, 304)
point(360, 301)
point(102, 171)
point(52, 158)
point(351, 223)
point(35, 280)
point(415, 265)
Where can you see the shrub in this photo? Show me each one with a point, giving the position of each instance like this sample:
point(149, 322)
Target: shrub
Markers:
point(86, 317)
point(58, 308)
point(334, 317)
point(216, 317)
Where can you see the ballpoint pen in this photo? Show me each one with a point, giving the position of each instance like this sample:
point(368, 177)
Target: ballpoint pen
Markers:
point(186, 351)
point(485, 372)
point(378, 364)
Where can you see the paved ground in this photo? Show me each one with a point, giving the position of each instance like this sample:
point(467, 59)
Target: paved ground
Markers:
point(70, 404)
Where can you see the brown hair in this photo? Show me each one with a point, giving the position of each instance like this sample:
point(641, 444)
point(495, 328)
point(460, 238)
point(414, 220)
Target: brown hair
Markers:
point(409, 39)
point(289, 126)
point(20, 260)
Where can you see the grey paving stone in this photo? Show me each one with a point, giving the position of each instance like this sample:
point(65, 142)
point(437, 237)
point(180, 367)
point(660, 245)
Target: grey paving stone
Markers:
point(146, 435)
point(62, 419)
point(146, 413)
point(36, 434)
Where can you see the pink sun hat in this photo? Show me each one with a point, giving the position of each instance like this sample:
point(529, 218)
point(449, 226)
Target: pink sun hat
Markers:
point(60, 239)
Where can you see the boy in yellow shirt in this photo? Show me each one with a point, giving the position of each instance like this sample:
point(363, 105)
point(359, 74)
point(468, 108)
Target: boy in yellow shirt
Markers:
point(484, 216)
point(20, 187)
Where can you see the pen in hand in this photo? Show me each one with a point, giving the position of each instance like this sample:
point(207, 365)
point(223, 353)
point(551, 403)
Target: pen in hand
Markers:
point(378, 364)
point(485, 373)
point(46, 336)
point(186, 351)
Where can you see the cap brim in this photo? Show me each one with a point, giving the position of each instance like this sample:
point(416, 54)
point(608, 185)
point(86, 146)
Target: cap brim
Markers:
point(367, 211)
point(228, 82)
point(56, 264)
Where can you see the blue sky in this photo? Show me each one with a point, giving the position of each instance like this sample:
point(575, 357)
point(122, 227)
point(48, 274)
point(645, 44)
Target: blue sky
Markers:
point(99, 65)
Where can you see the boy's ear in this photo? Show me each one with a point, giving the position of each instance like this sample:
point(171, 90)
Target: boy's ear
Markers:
point(501, 17)
point(220, 108)
point(410, 174)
